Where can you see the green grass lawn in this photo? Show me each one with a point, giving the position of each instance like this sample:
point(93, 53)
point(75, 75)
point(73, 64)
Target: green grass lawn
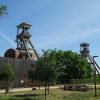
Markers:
point(55, 94)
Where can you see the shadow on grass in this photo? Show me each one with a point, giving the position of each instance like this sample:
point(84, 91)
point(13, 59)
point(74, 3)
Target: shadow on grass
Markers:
point(27, 97)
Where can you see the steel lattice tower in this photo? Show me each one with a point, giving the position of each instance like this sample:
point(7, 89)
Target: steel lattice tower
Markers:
point(24, 44)
point(85, 52)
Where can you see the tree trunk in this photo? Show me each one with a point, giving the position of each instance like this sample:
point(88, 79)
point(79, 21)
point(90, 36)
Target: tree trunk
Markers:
point(6, 87)
point(39, 85)
point(48, 88)
point(45, 89)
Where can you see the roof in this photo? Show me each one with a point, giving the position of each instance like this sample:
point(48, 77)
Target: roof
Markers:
point(84, 44)
point(24, 25)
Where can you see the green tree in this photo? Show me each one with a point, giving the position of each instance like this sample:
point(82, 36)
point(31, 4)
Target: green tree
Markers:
point(3, 10)
point(73, 66)
point(61, 65)
point(70, 64)
point(46, 69)
point(7, 75)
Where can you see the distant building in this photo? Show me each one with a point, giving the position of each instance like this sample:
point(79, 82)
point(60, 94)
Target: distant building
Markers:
point(13, 53)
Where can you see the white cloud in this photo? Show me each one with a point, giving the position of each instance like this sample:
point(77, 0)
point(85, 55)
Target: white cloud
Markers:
point(59, 39)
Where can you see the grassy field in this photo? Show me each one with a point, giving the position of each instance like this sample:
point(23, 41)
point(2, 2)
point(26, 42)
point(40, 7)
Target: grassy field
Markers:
point(55, 94)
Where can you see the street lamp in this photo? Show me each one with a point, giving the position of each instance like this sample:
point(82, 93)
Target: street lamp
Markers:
point(95, 94)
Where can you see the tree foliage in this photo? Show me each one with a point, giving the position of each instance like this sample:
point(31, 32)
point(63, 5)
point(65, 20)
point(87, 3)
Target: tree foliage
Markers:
point(7, 75)
point(3, 10)
point(62, 65)
point(46, 68)
point(73, 65)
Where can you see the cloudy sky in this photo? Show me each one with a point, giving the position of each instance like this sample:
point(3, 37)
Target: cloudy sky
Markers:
point(60, 24)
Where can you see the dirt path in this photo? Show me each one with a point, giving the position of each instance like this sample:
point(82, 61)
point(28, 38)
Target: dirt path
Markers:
point(27, 89)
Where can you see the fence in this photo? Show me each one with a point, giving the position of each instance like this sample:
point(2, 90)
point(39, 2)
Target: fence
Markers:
point(21, 68)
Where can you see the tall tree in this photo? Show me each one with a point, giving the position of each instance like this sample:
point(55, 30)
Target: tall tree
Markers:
point(7, 75)
point(46, 69)
point(72, 65)
point(3, 10)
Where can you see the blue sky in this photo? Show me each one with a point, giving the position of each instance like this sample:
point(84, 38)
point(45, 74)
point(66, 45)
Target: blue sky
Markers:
point(60, 24)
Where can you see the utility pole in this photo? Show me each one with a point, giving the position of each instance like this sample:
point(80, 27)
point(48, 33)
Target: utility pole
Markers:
point(95, 89)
